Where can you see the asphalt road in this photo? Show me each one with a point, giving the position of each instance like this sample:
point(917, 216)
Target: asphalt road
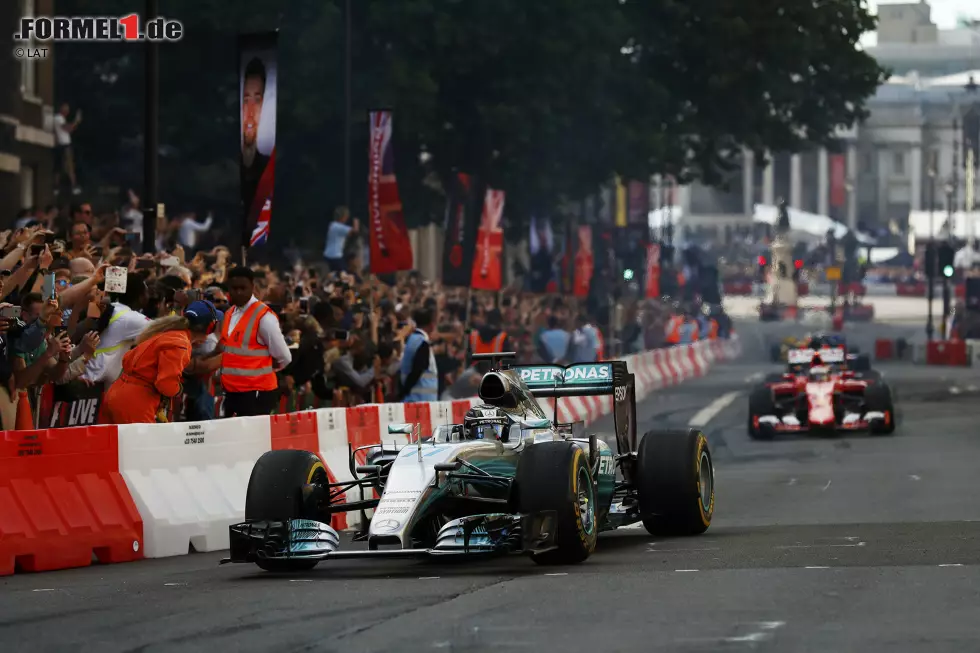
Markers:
point(856, 544)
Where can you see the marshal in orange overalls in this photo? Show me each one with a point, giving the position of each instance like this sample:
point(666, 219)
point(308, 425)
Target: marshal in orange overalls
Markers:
point(151, 372)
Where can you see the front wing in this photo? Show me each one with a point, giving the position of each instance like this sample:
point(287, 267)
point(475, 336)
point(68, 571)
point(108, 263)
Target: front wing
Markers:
point(307, 539)
point(850, 422)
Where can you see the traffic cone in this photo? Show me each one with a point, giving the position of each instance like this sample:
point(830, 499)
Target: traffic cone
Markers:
point(25, 420)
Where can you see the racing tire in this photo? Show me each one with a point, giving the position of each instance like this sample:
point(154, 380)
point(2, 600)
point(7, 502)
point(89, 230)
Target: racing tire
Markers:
point(275, 493)
point(878, 397)
point(675, 484)
point(861, 363)
point(760, 403)
point(555, 476)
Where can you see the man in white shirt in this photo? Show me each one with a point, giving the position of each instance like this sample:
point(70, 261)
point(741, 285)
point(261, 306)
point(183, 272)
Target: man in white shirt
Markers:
point(337, 234)
point(64, 157)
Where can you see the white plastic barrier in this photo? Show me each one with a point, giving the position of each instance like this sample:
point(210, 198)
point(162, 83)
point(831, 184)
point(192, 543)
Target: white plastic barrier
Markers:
point(189, 479)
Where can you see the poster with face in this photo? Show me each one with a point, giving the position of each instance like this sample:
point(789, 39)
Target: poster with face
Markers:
point(258, 77)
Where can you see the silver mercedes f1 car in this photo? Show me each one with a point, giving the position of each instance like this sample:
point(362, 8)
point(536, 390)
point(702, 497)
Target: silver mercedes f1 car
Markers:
point(509, 479)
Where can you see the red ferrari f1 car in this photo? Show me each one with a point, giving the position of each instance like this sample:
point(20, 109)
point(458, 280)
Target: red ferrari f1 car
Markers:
point(822, 397)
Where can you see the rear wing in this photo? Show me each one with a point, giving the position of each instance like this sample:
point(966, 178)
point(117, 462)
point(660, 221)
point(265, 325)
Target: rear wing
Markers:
point(611, 378)
point(829, 355)
point(578, 380)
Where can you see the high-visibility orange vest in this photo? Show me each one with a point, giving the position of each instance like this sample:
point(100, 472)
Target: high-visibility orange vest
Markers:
point(674, 330)
point(696, 333)
point(713, 330)
point(246, 365)
point(495, 346)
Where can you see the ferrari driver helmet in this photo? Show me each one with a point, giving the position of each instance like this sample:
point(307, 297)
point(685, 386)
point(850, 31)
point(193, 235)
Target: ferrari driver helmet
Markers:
point(485, 423)
point(820, 373)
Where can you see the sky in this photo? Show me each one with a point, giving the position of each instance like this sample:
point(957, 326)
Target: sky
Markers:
point(944, 13)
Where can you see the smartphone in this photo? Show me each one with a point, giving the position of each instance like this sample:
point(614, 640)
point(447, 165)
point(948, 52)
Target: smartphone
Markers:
point(134, 241)
point(60, 329)
point(48, 287)
point(36, 250)
point(304, 304)
point(341, 334)
point(10, 312)
point(145, 264)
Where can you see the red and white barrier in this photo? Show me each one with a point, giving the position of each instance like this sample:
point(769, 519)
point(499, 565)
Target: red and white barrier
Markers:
point(157, 490)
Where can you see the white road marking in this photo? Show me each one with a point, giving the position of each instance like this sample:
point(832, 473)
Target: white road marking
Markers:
point(816, 567)
point(174, 584)
point(951, 564)
point(558, 574)
point(971, 388)
point(792, 481)
point(709, 412)
point(51, 589)
point(300, 580)
point(429, 577)
point(915, 477)
point(820, 546)
point(954, 390)
point(653, 550)
point(826, 486)
point(764, 632)
point(752, 378)
point(684, 570)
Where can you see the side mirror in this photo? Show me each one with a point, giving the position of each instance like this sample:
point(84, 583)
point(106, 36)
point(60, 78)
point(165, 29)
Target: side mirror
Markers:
point(369, 470)
point(400, 429)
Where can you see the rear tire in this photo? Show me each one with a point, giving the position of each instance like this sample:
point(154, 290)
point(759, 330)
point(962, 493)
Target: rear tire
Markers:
point(275, 493)
point(675, 482)
point(555, 476)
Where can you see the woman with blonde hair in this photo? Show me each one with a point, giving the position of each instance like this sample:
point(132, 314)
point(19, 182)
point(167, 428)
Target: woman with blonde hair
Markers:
point(152, 370)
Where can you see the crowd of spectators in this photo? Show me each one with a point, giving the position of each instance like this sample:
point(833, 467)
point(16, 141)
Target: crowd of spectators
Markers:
point(343, 332)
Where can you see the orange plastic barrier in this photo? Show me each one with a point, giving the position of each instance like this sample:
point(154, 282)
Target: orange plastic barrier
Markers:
point(884, 349)
point(417, 412)
point(62, 500)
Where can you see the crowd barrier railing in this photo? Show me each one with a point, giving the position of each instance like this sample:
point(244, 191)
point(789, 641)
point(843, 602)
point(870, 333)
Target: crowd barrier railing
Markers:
point(156, 490)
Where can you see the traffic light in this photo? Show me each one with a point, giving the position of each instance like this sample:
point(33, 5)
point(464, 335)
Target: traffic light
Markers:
point(762, 261)
point(945, 254)
point(628, 274)
point(797, 269)
point(930, 260)
point(798, 264)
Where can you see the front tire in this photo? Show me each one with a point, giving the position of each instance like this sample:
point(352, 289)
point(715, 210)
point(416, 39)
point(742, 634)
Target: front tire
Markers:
point(878, 397)
point(675, 482)
point(555, 476)
point(275, 493)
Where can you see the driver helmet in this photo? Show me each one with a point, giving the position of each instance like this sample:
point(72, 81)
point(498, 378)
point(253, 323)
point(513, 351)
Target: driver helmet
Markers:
point(485, 423)
point(820, 373)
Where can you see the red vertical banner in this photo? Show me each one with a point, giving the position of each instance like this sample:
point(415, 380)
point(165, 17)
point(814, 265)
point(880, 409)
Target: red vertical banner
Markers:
point(639, 206)
point(838, 180)
point(391, 248)
point(488, 264)
point(584, 262)
point(653, 271)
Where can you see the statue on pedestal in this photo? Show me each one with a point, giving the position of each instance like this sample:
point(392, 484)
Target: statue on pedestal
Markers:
point(782, 288)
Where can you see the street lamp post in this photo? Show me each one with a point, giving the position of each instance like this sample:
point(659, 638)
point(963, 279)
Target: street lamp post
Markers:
point(950, 189)
point(931, 247)
point(151, 134)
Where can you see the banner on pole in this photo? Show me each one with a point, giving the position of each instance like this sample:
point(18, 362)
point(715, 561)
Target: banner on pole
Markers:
point(653, 271)
point(584, 262)
point(258, 88)
point(391, 248)
point(488, 265)
point(460, 232)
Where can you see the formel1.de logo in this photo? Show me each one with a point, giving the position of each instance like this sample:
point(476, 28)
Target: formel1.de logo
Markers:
point(98, 29)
